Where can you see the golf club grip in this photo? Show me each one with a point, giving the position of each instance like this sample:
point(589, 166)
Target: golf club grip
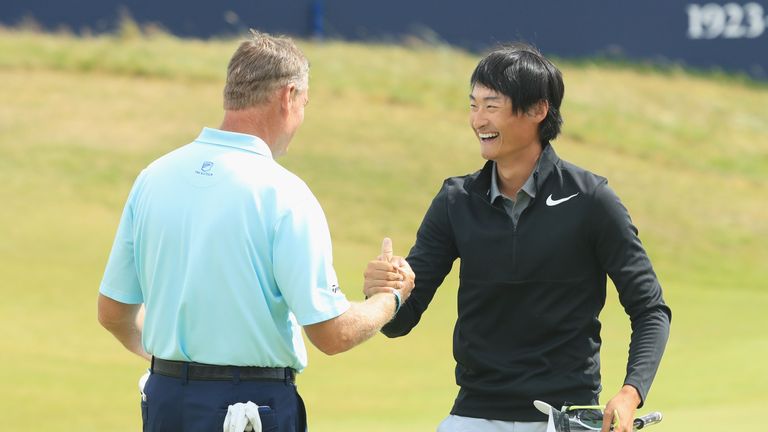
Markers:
point(647, 419)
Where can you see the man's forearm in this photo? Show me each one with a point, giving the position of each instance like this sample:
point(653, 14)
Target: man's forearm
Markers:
point(125, 322)
point(649, 338)
point(358, 324)
point(130, 336)
point(367, 318)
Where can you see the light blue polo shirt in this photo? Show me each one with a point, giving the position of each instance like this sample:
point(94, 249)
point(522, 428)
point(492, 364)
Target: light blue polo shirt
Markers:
point(229, 252)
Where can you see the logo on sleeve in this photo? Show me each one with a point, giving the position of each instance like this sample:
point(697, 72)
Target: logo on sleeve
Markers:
point(335, 289)
point(205, 169)
point(553, 202)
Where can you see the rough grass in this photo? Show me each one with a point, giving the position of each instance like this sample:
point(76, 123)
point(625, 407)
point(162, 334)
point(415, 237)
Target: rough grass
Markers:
point(81, 117)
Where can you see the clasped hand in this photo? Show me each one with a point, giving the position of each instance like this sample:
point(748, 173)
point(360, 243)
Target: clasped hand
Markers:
point(388, 273)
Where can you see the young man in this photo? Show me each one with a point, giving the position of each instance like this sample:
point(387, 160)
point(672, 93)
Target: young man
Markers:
point(229, 253)
point(537, 237)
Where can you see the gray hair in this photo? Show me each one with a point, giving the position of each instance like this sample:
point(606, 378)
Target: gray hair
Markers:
point(261, 65)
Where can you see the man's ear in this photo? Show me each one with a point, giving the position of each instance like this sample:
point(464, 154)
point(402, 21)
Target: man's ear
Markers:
point(286, 96)
point(539, 111)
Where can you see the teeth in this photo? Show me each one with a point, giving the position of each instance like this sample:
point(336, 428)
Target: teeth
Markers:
point(487, 135)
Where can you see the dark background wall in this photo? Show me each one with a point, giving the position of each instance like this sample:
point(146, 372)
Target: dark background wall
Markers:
point(731, 36)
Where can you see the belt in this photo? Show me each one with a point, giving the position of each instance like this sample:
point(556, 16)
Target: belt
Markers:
point(207, 372)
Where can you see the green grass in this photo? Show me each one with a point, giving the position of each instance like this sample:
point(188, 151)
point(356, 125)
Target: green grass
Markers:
point(687, 153)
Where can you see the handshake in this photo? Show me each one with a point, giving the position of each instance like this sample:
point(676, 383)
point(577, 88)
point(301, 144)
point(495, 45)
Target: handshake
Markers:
point(388, 274)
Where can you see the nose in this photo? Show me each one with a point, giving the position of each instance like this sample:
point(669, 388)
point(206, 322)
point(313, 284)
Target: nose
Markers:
point(477, 120)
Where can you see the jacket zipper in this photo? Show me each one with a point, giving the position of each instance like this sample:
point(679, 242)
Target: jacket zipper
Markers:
point(514, 229)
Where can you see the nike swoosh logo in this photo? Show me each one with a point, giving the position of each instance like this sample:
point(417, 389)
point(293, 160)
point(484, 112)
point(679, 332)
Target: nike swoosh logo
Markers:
point(553, 202)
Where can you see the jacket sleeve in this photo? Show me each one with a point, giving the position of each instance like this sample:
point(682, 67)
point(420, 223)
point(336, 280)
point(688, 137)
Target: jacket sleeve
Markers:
point(431, 259)
point(624, 259)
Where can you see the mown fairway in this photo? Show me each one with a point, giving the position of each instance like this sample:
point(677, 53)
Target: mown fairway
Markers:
point(80, 117)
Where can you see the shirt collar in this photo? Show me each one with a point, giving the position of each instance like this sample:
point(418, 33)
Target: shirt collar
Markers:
point(529, 187)
point(548, 165)
point(242, 141)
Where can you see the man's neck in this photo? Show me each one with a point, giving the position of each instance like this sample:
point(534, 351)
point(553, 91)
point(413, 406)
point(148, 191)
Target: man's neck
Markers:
point(252, 121)
point(515, 169)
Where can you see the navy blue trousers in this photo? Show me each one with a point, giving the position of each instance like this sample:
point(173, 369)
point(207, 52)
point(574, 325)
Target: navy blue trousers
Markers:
point(179, 405)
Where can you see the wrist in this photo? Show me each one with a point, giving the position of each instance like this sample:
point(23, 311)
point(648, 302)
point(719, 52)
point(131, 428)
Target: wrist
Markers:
point(629, 391)
point(398, 301)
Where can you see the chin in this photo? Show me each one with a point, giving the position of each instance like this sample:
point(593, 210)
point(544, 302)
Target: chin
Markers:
point(487, 155)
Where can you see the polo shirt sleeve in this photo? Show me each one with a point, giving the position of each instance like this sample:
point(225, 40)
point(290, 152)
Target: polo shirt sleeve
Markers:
point(121, 280)
point(303, 263)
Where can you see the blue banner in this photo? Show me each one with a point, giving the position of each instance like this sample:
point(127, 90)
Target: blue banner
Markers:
point(730, 36)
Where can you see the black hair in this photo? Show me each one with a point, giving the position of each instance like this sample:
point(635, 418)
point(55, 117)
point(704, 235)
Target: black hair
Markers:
point(520, 72)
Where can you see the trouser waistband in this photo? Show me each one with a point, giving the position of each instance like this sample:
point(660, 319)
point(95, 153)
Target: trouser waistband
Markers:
point(208, 372)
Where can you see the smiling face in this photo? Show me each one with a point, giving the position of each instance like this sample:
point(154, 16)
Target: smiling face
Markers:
point(502, 132)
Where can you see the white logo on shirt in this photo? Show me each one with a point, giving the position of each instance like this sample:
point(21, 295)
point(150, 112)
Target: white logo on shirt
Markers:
point(553, 202)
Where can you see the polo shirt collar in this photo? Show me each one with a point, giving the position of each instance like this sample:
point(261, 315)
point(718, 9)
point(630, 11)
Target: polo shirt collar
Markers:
point(242, 141)
point(547, 164)
point(529, 187)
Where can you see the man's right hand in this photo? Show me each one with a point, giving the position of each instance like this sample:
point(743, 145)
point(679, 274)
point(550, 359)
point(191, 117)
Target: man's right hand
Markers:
point(387, 273)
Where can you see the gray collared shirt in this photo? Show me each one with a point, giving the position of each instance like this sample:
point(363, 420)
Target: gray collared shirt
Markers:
point(514, 206)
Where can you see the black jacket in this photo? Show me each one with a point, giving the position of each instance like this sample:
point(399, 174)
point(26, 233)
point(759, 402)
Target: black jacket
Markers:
point(530, 295)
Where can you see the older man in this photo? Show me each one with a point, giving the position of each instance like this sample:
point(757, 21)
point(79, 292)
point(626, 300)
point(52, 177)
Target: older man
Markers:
point(229, 254)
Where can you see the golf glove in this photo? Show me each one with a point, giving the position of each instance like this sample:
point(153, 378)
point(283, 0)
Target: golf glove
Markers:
point(242, 417)
point(142, 383)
